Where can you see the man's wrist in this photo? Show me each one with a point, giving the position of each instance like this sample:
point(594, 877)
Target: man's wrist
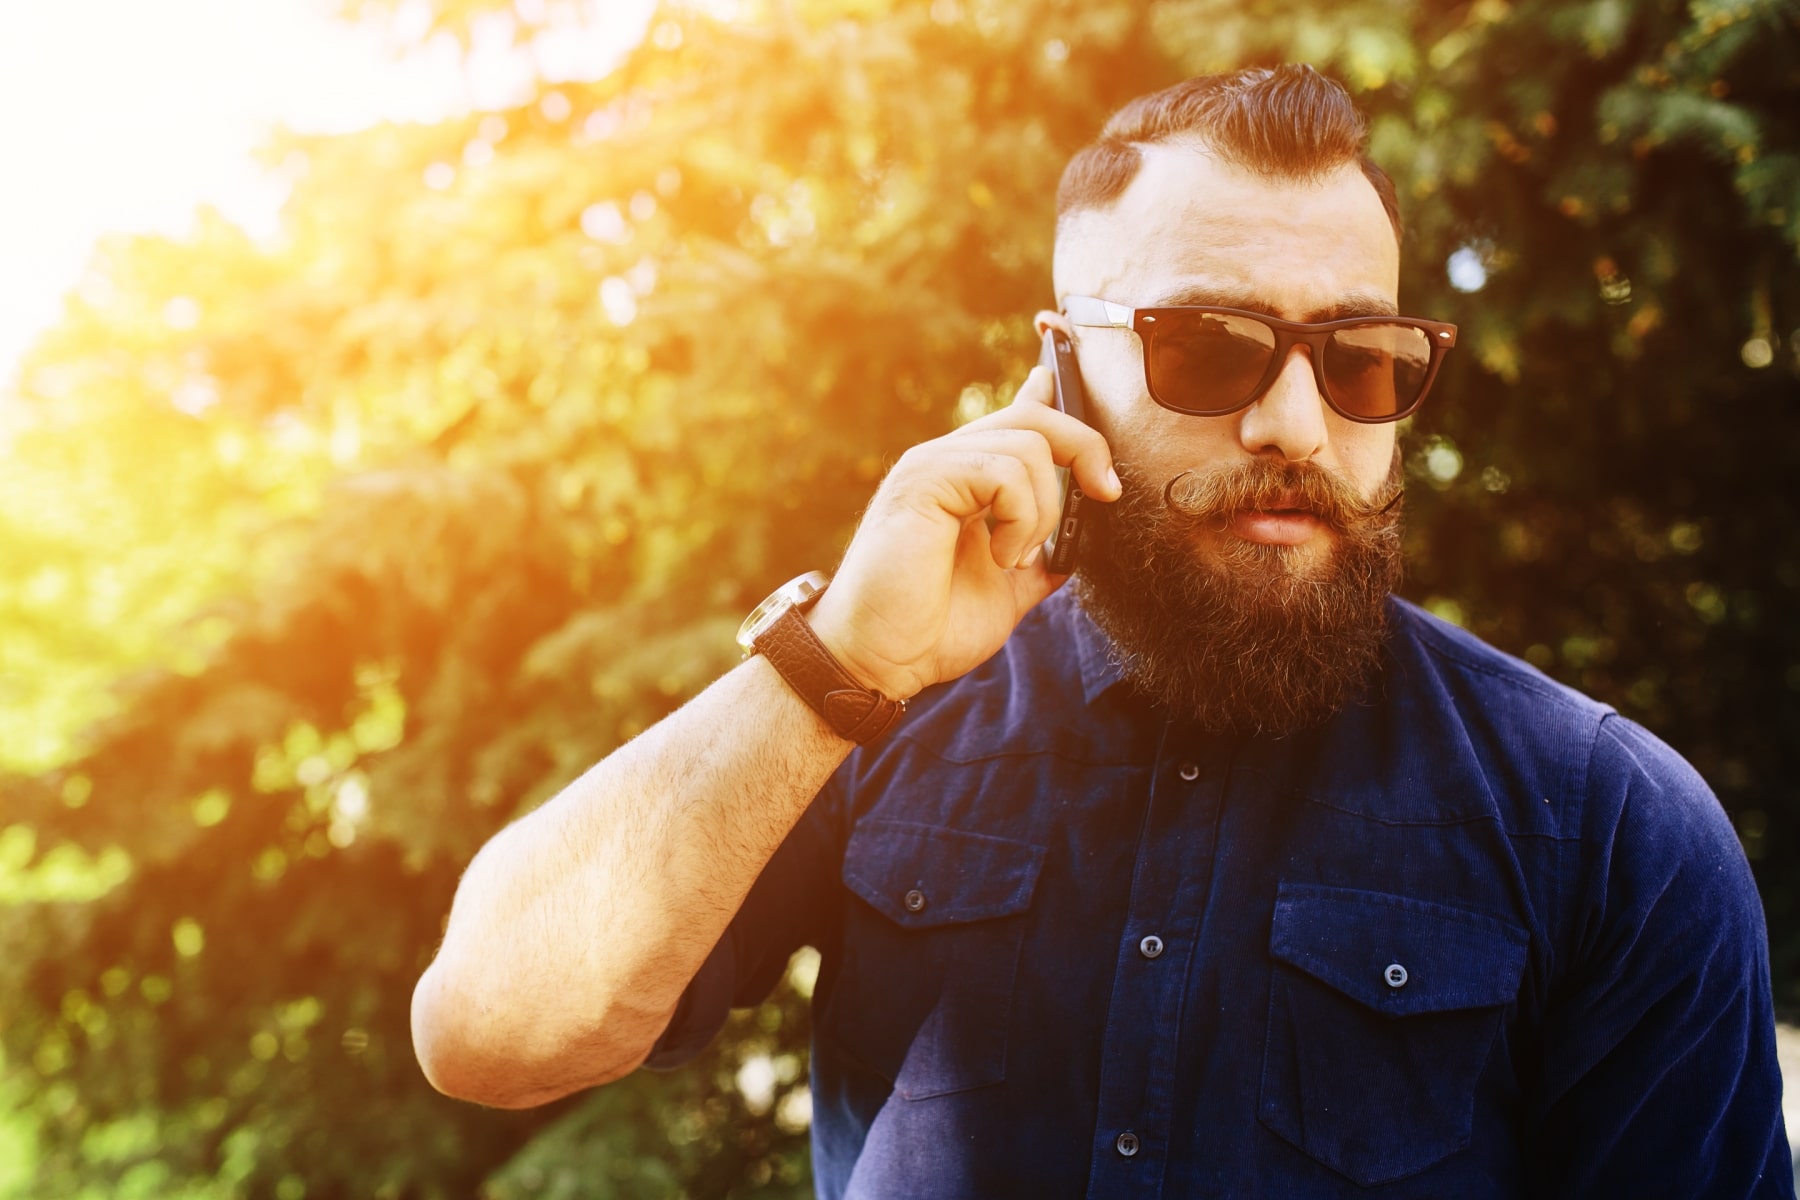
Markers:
point(827, 620)
point(779, 631)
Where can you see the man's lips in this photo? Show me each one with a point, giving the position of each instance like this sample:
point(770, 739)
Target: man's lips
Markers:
point(1285, 519)
point(1275, 527)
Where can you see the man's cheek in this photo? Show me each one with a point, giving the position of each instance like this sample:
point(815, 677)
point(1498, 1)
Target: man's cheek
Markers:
point(1161, 444)
point(1371, 456)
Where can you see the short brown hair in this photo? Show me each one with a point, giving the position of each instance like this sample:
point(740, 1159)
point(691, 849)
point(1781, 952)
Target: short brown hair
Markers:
point(1286, 122)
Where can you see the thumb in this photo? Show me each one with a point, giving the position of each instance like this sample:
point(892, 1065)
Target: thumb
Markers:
point(1034, 584)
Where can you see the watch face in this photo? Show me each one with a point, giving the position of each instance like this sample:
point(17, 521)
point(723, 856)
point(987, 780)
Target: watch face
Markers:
point(760, 618)
point(795, 593)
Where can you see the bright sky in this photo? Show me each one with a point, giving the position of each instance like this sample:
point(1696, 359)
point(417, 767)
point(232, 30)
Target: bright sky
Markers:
point(127, 114)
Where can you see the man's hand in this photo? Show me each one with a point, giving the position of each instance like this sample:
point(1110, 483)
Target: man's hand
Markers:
point(927, 590)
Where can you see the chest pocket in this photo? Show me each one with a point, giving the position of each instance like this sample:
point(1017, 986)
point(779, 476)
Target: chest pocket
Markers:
point(1383, 1011)
point(929, 956)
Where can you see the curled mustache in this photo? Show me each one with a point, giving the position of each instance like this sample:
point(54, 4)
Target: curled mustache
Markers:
point(1263, 485)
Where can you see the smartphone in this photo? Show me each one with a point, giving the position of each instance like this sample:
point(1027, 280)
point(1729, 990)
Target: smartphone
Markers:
point(1064, 544)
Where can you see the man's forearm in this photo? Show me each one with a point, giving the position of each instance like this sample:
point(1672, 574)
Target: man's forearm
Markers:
point(576, 929)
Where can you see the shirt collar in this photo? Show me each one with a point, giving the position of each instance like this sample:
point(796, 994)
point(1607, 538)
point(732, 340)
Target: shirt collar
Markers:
point(1093, 649)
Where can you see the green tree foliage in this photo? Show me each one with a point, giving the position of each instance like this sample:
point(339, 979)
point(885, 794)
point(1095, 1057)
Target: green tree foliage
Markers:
point(341, 551)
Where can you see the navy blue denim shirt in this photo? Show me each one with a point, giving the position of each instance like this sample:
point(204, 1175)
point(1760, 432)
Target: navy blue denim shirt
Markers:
point(1477, 936)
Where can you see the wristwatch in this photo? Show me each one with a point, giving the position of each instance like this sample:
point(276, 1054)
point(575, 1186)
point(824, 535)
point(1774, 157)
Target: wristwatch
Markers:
point(777, 629)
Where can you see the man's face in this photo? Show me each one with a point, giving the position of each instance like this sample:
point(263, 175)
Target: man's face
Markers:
point(1245, 580)
point(1192, 230)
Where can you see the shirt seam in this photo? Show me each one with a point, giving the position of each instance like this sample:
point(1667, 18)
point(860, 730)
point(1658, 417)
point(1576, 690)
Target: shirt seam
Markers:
point(1389, 822)
point(1547, 689)
point(1408, 904)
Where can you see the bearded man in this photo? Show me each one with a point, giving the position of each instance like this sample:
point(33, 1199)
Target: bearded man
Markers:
point(1219, 873)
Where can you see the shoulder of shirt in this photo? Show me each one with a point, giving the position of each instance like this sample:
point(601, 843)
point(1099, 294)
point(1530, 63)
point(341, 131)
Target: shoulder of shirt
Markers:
point(1585, 744)
point(1455, 651)
point(1654, 856)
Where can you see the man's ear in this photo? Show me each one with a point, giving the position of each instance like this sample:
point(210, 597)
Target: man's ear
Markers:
point(1047, 320)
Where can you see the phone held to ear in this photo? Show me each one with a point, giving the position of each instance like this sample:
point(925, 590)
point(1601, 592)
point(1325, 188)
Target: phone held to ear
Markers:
point(1064, 544)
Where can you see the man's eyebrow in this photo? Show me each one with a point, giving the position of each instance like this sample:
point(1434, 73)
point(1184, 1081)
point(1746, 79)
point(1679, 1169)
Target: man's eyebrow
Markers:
point(1353, 304)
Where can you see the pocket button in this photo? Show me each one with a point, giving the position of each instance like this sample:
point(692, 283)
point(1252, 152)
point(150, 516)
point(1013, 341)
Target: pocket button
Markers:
point(1395, 975)
point(915, 902)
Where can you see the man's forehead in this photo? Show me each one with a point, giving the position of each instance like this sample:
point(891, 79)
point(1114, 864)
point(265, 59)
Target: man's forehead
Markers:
point(1191, 224)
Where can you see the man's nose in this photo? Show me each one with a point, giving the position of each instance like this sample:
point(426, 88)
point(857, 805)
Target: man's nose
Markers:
point(1289, 418)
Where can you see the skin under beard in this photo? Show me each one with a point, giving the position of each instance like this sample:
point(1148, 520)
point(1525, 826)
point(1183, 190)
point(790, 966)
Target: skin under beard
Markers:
point(1244, 637)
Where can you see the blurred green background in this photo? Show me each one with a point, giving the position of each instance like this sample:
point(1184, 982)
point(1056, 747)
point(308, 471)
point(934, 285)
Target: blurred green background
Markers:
point(323, 557)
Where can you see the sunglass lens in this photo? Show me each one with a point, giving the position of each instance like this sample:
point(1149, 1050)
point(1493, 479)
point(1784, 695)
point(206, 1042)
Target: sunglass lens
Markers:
point(1208, 362)
point(1376, 371)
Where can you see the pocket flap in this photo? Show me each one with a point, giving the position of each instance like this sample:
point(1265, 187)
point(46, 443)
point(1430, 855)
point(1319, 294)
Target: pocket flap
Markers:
point(1395, 954)
point(924, 875)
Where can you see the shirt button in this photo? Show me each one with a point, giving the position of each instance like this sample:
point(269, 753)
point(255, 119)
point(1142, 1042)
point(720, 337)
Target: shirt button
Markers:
point(1395, 975)
point(914, 901)
point(1190, 772)
point(1151, 946)
point(1126, 1143)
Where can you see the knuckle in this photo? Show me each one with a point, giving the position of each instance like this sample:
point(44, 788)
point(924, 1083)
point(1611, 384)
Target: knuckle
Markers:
point(1028, 446)
point(914, 454)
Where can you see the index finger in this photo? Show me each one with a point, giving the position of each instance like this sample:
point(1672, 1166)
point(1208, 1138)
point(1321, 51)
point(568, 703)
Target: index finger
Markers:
point(1073, 443)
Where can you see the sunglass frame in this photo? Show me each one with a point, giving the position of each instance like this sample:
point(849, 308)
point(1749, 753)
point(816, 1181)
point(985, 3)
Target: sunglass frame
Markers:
point(1092, 311)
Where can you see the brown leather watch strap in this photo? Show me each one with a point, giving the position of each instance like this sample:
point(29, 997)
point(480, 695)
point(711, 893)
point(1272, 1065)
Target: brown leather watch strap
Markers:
point(810, 669)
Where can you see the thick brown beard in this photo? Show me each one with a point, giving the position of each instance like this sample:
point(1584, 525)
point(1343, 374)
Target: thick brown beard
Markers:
point(1250, 639)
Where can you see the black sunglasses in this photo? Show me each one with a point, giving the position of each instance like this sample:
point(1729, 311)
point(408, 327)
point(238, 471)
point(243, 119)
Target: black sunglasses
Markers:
point(1210, 361)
